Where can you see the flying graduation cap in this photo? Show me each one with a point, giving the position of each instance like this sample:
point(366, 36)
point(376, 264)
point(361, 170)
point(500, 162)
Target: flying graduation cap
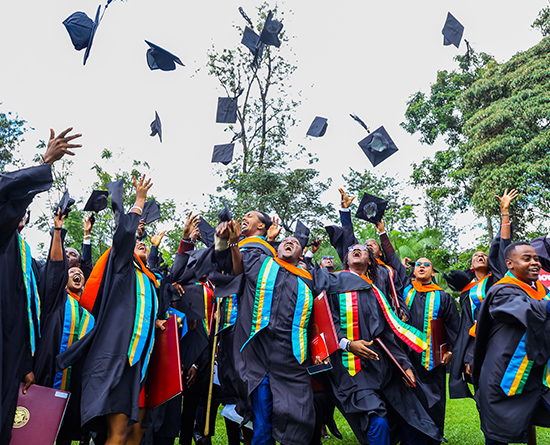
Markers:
point(160, 59)
point(223, 153)
point(207, 232)
point(452, 31)
point(252, 41)
point(301, 233)
point(64, 205)
point(151, 211)
point(225, 214)
point(318, 127)
point(227, 110)
point(156, 127)
point(81, 29)
point(97, 201)
point(271, 30)
point(378, 146)
point(371, 208)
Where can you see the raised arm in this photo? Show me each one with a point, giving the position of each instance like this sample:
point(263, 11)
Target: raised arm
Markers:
point(497, 262)
point(233, 243)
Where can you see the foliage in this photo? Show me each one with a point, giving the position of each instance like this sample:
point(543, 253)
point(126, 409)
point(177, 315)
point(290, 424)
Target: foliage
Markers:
point(542, 22)
point(12, 130)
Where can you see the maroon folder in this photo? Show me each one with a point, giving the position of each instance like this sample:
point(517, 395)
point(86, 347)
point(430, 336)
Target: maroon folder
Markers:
point(439, 342)
point(322, 323)
point(164, 380)
point(395, 362)
point(39, 415)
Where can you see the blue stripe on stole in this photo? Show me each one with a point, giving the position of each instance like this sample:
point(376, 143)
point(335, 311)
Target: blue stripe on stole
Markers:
point(87, 322)
point(70, 328)
point(304, 303)
point(29, 281)
point(436, 307)
point(513, 367)
point(151, 292)
point(474, 296)
point(408, 301)
point(180, 317)
point(229, 312)
point(143, 317)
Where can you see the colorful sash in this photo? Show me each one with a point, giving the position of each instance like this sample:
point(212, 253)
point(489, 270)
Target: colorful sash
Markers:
point(93, 283)
point(251, 240)
point(31, 290)
point(349, 321)
point(208, 294)
point(228, 312)
point(476, 293)
point(390, 269)
point(143, 336)
point(262, 308)
point(75, 326)
point(181, 318)
point(519, 367)
point(431, 310)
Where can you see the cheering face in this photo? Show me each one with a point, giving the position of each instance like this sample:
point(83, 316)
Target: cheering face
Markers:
point(251, 224)
point(524, 263)
point(141, 251)
point(327, 262)
point(424, 271)
point(73, 257)
point(374, 247)
point(76, 280)
point(358, 256)
point(290, 250)
point(480, 262)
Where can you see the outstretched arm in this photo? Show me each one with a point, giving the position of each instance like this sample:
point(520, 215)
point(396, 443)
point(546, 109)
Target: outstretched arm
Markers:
point(233, 243)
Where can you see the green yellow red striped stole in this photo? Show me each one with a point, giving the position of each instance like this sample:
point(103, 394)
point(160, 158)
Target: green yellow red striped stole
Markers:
point(390, 269)
point(431, 311)
point(208, 295)
point(228, 312)
point(263, 299)
point(349, 321)
point(75, 326)
point(143, 336)
point(476, 293)
point(519, 367)
point(33, 299)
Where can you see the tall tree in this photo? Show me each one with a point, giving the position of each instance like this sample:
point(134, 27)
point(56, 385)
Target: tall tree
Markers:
point(12, 130)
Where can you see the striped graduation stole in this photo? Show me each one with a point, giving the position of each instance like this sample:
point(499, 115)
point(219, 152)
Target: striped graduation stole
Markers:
point(477, 294)
point(431, 310)
point(181, 318)
point(390, 269)
point(208, 295)
point(75, 326)
point(143, 336)
point(262, 308)
point(349, 321)
point(30, 287)
point(228, 312)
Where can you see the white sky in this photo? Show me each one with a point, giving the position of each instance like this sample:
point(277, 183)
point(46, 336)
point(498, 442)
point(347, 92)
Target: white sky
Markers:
point(356, 56)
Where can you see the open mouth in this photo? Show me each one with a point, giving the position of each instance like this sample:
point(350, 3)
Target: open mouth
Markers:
point(288, 248)
point(77, 279)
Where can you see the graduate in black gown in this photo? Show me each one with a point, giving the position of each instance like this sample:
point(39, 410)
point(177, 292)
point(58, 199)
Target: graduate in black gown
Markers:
point(512, 352)
point(365, 384)
point(19, 300)
point(125, 309)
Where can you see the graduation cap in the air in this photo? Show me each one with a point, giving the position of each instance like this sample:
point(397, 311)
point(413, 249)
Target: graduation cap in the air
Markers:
point(452, 31)
point(223, 153)
point(227, 110)
point(65, 204)
point(252, 41)
point(359, 121)
point(301, 233)
point(81, 29)
point(97, 201)
point(335, 234)
point(151, 211)
point(207, 232)
point(225, 214)
point(378, 146)
point(371, 208)
point(318, 127)
point(160, 59)
point(271, 30)
point(115, 191)
point(156, 127)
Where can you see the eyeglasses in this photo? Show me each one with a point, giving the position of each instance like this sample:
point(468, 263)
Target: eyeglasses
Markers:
point(419, 263)
point(357, 247)
point(327, 257)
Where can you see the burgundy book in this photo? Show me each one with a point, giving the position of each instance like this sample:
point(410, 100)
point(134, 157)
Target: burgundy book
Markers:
point(321, 323)
point(38, 415)
point(164, 380)
point(395, 362)
point(439, 342)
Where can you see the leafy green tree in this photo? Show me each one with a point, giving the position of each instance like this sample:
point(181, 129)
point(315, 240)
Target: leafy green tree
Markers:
point(12, 130)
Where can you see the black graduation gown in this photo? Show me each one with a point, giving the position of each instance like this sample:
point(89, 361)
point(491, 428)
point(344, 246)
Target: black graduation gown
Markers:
point(507, 315)
point(109, 383)
point(378, 385)
point(17, 189)
point(270, 352)
point(432, 384)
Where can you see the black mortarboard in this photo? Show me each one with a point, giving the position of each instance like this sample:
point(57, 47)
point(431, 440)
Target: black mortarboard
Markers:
point(65, 204)
point(225, 214)
point(318, 127)
point(378, 146)
point(223, 153)
point(359, 121)
point(452, 31)
point(160, 59)
point(192, 301)
point(252, 41)
point(371, 208)
point(97, 201)
point(271, 30)
point(335, 234)
point(151, 211)
point(156, 127)
point(227, 110)
point(115, 191)
point(207, 232)
point(301, 233)
point(82, 30)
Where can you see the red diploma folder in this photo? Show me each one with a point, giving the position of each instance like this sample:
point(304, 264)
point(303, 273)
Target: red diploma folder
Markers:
point(395, 362)
point(164, 380)
point(318, 347)
point(39, 415)
point(322, 323)
point(439, 344)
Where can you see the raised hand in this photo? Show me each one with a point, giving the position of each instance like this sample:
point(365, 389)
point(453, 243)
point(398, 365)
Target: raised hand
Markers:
point(155, 240)
point(59, 146)
point(141, 228)
point(142, 187)
point(274, 229)
point(506, 199)
point(195, 234)
point(234, 229)
point(58, 220)
point(88, 224)
point(380, 227)
point(190, 224)
point(345, 200)
point(315, 244)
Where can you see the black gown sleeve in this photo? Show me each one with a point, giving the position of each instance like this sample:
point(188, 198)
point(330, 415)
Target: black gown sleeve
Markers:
point(54, 280)
point(124, 240)
point(86, 264)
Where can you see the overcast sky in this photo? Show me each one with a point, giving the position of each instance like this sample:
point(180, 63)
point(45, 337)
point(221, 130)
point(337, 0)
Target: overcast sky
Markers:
point(360, 57)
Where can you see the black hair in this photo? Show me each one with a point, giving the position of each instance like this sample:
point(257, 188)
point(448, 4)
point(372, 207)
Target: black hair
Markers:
point(372, 268)
point(265, 219)
point(512, 247)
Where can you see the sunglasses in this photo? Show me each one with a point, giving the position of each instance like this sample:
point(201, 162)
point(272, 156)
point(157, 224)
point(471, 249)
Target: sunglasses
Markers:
point(418, 264)
point(357, 247)
point(327, 257)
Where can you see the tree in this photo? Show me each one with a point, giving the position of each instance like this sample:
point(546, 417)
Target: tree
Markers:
point(12, 130)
